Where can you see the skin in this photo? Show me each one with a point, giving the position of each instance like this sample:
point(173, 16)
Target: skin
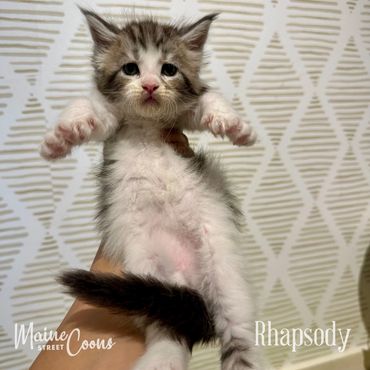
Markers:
point(99, 323)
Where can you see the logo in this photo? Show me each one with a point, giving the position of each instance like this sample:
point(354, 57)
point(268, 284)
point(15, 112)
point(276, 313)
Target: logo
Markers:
point(51, 340)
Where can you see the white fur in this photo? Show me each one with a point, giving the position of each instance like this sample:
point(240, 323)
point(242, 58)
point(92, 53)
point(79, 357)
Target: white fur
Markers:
point(165, 222)
point(95, 119)
point(163, 353)
point(164, 219)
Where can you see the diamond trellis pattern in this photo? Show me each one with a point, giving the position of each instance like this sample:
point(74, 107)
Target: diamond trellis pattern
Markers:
point(314, 242)
point(276, 204)
point(237, 33)
point(346, 204)
point(298, 71)
point(275, 90)
point(314, 27)
point(37, 285)
point(27, 34)
point(27, 175)
point(314, 146)
point(349, 89)
point(344, 305)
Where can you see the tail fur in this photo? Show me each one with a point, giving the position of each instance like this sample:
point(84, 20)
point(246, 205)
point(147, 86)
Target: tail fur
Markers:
point(180, 310)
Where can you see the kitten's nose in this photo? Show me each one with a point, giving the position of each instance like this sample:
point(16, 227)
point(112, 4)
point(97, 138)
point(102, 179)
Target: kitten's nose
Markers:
point(150, 88)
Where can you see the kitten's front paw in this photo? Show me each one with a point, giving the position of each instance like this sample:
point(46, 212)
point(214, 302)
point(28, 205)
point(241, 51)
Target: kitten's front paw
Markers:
point(228, 123)
point(76, 125)
point(67, 134)
point(54, 146)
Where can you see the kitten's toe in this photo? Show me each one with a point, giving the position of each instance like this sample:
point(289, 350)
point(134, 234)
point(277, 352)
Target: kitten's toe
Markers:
point(53, 146)
point(246, 139)
point(241, 133)
point(207, 121)
point(76, 132)
point(231, 125)
point(214, 123)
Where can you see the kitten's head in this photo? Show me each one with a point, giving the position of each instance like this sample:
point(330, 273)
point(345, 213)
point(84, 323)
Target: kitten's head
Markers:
point(149, 69)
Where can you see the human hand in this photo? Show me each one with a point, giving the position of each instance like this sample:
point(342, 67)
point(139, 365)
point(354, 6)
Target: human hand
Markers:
point(94, 323)
point(178, 141)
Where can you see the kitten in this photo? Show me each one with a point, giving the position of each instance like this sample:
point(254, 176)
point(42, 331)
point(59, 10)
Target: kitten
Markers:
point(171, 221)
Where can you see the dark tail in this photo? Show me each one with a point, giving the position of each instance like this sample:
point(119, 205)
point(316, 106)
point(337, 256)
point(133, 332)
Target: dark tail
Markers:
point(180, 310)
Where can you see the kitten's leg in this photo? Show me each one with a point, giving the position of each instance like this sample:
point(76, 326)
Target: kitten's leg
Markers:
point(215, 114)
point(162, 352)
point(228, 293)
point(82, 120)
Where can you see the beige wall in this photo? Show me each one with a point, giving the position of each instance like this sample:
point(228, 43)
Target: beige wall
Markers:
point(299, 71)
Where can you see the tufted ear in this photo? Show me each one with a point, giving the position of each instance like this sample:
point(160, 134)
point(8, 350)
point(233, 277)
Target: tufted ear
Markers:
point(195, 35)
point(102, 32)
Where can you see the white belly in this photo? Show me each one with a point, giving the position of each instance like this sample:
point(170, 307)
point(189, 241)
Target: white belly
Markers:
point(155, 211)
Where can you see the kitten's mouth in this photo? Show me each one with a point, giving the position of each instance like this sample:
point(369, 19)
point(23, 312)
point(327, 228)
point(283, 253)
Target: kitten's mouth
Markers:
point(150, 100)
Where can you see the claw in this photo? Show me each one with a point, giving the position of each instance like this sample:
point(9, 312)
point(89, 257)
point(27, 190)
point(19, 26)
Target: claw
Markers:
point(231, 125)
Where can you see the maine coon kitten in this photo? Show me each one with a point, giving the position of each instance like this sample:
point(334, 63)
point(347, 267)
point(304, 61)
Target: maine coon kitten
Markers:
point(170, 221)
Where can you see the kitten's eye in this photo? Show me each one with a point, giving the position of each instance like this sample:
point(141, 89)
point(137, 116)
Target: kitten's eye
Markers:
point(131, 69)
point(168, 69)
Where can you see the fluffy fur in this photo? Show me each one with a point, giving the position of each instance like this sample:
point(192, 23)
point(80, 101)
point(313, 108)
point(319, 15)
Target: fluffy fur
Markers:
point(180, 310)
point(170, 221)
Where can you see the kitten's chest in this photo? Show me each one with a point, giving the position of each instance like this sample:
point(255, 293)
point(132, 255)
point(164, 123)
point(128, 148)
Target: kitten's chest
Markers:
point(149, 173)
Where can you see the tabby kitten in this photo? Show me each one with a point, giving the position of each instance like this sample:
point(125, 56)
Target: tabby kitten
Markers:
point(170, 221)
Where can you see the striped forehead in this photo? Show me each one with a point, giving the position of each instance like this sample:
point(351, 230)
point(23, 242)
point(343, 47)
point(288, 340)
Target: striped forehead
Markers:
point(148, 36)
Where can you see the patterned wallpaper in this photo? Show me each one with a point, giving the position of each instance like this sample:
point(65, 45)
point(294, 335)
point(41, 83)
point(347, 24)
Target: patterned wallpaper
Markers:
point(299, 71)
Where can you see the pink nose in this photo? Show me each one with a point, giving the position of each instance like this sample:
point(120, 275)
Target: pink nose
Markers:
point(150, 88)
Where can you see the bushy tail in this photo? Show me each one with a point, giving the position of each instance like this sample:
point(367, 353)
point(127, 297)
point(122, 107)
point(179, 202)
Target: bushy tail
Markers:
point(180, 310)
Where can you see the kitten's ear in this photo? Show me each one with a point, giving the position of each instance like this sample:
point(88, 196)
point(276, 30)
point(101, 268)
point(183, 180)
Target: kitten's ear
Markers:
point(195, 35)
point(102, 32)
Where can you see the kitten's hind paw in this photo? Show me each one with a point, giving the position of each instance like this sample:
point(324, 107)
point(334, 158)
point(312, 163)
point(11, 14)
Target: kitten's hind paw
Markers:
point(238, 358)
point(165, 355)
point(160, 362)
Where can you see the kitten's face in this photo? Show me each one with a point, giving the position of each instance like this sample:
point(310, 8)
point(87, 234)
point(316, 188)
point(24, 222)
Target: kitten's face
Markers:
point(150, 70)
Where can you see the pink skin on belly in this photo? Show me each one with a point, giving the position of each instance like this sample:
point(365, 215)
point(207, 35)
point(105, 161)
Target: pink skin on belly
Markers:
point(175, 253)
